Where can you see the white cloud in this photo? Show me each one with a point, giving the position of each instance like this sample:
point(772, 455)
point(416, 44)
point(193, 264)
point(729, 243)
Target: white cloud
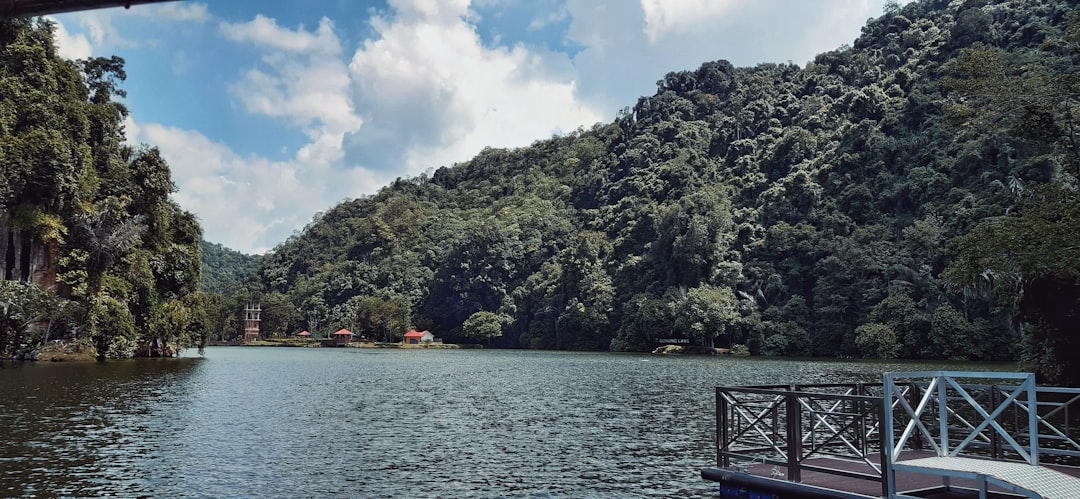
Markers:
point(557, 15)
point(264, 32)
point(302, 80)
point(100, 28)
point(71, 46)
point(628, 46)
point(430, 93)
point(176, 11)
point(247, 203)
point(662, 17)
point(435, 11)
point(98, 33)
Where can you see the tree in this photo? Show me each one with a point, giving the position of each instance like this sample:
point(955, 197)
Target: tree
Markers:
point(482, 326)
point(383, 317)
point(476, 275)
point(877, 341)
point(279, 317)
point(1030, 262)
point(29, 315)
point(111, 327)
point(644, 318)
point(183, 323)
point(103, 76)
point(1035, 95)
point(911, 325)
point(705, 312)
point(954, 337)
point(82, 215)
point(693, 236)
point(107, 233)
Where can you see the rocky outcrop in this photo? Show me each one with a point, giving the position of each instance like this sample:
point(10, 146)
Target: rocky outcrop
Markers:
point(25, 257)
point(688, 350)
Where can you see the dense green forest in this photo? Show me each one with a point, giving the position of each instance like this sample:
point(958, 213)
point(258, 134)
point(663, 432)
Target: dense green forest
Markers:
point(93, 249)
point(912, 195)
point(224, 270)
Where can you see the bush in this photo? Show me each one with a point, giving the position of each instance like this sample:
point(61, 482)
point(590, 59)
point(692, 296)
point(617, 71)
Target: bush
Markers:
point(112, 328)
point(876, 341)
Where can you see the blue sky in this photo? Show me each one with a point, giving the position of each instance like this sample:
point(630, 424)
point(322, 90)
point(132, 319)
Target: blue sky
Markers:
point(270, 111)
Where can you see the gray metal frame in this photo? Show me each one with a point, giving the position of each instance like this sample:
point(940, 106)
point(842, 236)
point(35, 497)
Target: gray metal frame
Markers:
point(938, 388)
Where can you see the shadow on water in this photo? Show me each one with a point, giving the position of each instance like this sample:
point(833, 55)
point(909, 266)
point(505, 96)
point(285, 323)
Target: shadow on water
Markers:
point(68, 425)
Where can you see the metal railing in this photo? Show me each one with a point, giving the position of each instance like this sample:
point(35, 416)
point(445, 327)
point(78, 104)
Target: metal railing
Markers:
point(787, 425)
point(862, 428)
point(1010, 419)
point(1015, 422)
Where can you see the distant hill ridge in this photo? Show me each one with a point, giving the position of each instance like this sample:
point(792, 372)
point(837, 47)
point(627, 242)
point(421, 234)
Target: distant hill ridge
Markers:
point(225, 270)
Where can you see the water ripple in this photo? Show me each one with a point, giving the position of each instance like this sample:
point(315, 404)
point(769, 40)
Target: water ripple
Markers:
point(376, 423)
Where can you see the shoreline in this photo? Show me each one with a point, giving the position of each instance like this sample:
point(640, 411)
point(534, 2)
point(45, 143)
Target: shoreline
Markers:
point(289, 343)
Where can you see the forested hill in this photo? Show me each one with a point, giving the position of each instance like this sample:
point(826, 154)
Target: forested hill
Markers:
point(796, 210)
point(224, 270)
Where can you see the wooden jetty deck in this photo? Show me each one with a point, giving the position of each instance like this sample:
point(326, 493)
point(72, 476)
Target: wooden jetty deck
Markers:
point(916, 435)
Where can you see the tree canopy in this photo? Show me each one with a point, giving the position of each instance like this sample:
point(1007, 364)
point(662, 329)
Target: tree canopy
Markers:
point(793, 210)
point(93, 249)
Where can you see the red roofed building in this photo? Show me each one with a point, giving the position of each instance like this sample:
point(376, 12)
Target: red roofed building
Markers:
point(304, 334)
point(343, 337)
point(415, 337)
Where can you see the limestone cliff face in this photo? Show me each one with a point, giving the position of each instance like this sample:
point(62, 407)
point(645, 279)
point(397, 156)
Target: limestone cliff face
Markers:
point(25, 257)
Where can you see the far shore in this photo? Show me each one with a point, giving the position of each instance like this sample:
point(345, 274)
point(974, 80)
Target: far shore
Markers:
point(316, 343)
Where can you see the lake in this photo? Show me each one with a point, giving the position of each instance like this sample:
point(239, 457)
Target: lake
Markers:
point(294, 422)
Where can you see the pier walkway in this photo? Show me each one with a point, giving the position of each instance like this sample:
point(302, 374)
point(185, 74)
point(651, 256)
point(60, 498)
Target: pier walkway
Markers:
point(1020, 478)
point(915, 435)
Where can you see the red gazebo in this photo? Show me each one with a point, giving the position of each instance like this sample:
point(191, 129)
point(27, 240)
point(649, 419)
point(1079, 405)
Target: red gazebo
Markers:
point(304, 334)
point(343, 336)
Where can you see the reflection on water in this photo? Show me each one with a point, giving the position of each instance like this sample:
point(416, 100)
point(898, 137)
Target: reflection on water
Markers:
point(377, 423)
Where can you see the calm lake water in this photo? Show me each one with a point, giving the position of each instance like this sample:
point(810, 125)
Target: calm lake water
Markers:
point(286, 422)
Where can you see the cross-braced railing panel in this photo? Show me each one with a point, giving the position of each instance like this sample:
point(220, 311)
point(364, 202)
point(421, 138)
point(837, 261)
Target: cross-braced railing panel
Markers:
point(955, 419)
point(786, 427)
point(1056, 415)
point(757, 422)
point(840, 427)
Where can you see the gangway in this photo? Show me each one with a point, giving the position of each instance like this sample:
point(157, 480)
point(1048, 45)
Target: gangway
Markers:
point(956, 432)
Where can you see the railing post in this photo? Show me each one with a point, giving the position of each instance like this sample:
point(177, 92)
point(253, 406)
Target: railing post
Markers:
point(888, 433)
point(1033, 419)
point(995, 438)
point(722, 461)
point(794, 438)
point(860, 409)
point(943, 415)
point(883, 450)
